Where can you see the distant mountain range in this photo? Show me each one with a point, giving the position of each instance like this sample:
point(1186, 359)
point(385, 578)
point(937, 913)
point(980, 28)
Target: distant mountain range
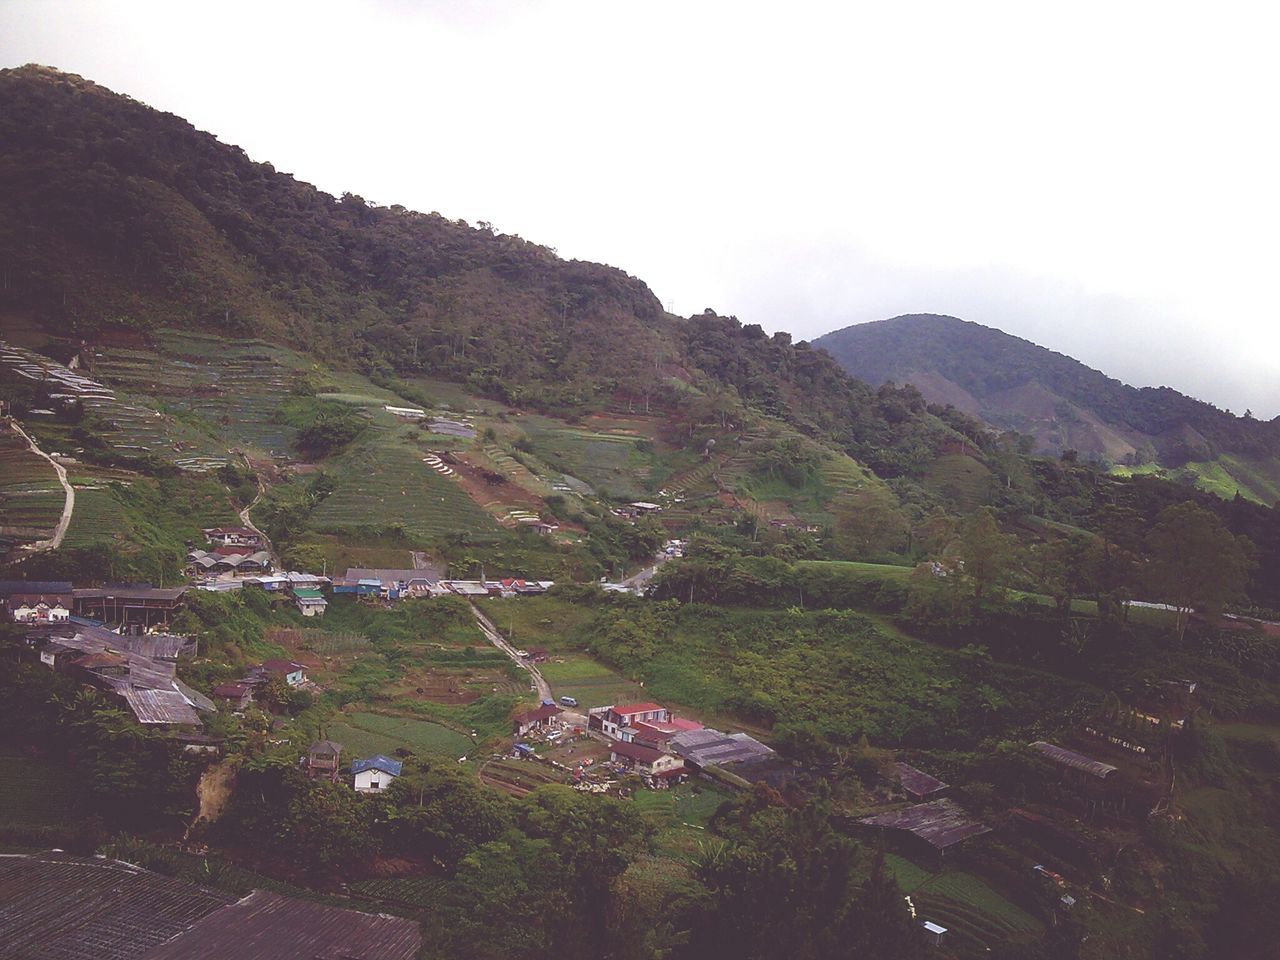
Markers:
point(1013, 384)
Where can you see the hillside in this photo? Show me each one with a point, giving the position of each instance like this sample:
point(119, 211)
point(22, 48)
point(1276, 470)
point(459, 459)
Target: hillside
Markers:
point(117, 217)
point(1013, 384)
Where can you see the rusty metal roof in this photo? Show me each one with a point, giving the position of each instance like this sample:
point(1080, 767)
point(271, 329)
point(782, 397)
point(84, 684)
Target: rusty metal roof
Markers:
point(1076, 761)
point(940, 823)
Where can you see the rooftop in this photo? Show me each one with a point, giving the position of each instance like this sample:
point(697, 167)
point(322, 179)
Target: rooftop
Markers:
point(544, 712)
point(1076, 761)
point(636, 752)
point(917, 781)
point(940, 823)
point(56, 905)
point(711, 746)
point(626, 709)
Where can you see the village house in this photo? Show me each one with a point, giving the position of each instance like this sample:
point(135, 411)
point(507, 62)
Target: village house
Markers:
point(310, 601)
point(614, 721)
point(294, 673)
point(540, 720)
point(40, 607)
point(228, 560)
point(10, 589)
point(238, 694)
point(321, 761)
point(374, 774)
point(647, 761)
point(391, 584)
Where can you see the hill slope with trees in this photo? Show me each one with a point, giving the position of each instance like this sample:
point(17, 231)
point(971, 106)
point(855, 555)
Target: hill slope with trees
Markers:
point(1014, 384)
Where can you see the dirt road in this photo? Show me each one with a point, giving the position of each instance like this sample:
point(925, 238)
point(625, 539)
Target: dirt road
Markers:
point(245, 521)
point(68, 506)
point(490, 631)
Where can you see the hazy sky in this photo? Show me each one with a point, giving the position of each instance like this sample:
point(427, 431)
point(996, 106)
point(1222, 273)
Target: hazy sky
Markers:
point(1098, 177)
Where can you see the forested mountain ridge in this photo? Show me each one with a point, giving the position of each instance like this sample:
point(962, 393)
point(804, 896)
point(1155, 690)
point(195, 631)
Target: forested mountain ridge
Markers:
point(115, 214)
point(1014, 384)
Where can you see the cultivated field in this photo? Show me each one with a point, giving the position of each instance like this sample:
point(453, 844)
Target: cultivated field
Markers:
point(364, 734)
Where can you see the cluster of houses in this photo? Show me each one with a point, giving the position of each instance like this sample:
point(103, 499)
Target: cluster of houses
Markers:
point(234, 550)
point(139, 670)
point(393, 584)
point(649, 740)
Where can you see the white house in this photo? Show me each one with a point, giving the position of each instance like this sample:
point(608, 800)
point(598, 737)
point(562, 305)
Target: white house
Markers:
point(40, 608)
point(375, 774)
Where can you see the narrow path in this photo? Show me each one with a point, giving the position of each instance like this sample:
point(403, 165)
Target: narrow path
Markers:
point(490, 631)
point(247, 522)
point(68, 506)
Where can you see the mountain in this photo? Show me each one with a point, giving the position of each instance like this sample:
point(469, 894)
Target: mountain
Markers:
point(116, 216)
point(1014, 384)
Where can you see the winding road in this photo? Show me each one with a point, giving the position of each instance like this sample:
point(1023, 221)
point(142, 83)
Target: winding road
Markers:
point(68, 506)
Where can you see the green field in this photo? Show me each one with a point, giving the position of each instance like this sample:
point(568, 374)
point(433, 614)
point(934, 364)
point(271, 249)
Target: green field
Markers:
point(417, 892)
point(611, 463)
point(592, 684)
point(364, 734)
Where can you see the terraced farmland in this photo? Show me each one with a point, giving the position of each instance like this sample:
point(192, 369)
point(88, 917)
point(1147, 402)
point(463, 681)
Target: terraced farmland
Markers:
point(418, 892)
point(31, 499)
point(964, 904)
point(609, 462)
point(98, 518)
point(519, 777)
point(384, 484)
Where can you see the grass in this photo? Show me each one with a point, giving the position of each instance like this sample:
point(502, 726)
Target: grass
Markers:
point(364, 734)
point(592, 684)
point(961, 479)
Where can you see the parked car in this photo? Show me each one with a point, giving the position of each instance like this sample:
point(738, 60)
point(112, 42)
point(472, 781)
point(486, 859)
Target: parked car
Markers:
point(568, 702)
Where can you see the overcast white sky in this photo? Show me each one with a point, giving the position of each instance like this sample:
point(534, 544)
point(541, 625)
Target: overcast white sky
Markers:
point(1100, 178)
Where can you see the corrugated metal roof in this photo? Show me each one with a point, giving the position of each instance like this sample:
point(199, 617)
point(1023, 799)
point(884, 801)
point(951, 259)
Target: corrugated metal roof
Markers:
point(59, 907)
point(711, 746)
point(267, 925)
point(941, 823)
point(1076, 761)
point(160, 706)
point(917, 782)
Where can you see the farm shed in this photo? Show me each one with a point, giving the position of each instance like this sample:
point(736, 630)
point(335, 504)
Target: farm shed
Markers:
point(936, 826)
point(129, 603)
point(322, 760)
point(236, 693)
point(645, 760)
point(917, 784)
point(374, 774)
point(539, 719)
point(56, 905)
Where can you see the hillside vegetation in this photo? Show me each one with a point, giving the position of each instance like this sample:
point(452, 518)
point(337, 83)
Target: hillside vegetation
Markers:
point(1014, 384)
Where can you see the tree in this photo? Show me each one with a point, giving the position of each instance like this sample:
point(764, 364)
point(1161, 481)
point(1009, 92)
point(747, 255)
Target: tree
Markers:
point(1196, 564)
point(869, 521)
point(986, 552)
